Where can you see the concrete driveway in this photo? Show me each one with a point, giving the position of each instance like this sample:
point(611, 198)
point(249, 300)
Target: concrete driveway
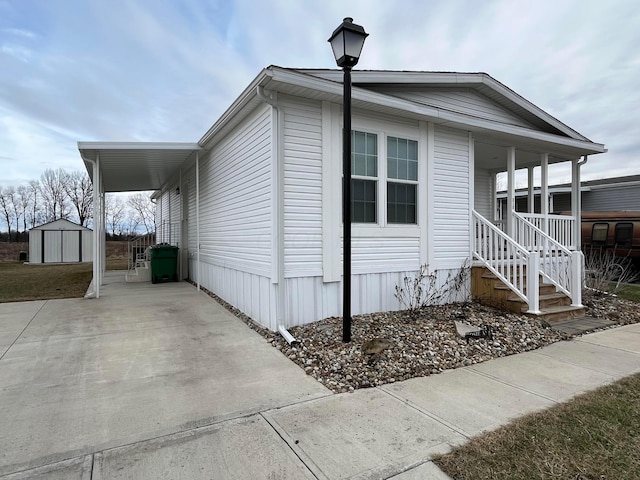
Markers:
point(142, 362)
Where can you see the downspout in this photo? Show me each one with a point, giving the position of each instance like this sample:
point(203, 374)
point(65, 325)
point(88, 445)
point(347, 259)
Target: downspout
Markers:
point(278, 204)
point(198, 221)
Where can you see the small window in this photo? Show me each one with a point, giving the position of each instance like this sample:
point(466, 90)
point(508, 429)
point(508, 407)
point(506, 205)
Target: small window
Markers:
point(624, 235)
point(402, 166)
point(599, 234)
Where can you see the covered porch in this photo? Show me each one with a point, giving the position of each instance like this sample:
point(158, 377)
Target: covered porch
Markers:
point(534, 254)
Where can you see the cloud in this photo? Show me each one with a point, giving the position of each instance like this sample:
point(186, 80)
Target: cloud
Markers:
point(147, 70)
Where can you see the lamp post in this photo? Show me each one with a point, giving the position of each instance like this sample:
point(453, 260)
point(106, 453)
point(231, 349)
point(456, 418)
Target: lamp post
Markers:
point(347, 41)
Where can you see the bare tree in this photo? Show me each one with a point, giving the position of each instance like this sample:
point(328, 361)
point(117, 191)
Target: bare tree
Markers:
point(79, 190)
point(6, 206)
point(35, 212)
point(144, 210)
point(54, 195)
point(115, 213)
point(24, 199)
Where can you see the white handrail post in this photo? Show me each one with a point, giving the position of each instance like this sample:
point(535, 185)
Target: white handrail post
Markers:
point(533, 279)
point(576, 278)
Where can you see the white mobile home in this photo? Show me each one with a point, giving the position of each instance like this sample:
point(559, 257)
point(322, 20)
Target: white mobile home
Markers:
point(255, 205)
point(60, 241)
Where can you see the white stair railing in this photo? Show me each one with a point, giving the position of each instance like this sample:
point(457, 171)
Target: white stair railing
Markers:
point(138, 250)
point(559, 265)
point(512, 263)
point(559, 227)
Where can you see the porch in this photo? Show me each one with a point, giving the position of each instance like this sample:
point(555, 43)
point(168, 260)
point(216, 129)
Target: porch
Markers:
point(525, 262)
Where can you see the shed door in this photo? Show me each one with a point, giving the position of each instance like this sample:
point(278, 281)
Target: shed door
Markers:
point(70, 246)
point(52, 246)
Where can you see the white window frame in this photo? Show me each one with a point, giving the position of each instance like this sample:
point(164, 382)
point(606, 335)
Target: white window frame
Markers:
point(382, 228)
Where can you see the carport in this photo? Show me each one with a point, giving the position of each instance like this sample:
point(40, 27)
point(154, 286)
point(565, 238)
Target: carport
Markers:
point(127, 167)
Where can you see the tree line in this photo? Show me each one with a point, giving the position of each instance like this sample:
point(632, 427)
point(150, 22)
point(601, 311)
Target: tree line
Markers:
point(69, 195)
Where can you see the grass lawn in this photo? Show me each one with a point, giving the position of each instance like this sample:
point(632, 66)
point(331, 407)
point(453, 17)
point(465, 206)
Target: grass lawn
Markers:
point(594, 436)
point(629, 291)
point(20, 282)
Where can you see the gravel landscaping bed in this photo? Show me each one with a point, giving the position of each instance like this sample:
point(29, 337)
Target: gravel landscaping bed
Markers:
point(423, 346)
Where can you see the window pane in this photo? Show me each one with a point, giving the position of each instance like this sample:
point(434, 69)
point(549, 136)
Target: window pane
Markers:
point(392, 167)
point(402, 169)
point(401, 203)
point(402, 158)
point(364, 154)
point(624, 234)
point(599, 234)
point(363, 201)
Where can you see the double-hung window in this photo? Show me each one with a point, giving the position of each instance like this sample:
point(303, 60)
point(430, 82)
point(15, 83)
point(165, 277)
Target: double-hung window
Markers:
point(394, 182)
point(364, 176)
point(402, 180)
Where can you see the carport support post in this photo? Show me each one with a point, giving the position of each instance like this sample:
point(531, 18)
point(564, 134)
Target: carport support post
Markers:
point(97, 257)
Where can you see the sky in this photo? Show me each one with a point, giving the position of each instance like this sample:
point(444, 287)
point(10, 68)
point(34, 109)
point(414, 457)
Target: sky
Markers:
point(165, 70)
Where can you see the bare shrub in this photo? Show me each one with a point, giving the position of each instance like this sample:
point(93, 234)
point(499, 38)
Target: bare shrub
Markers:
point(605, 272)
point(418, 292)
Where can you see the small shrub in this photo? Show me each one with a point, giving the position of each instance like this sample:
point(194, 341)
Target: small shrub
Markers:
point(606, 272)
point(422, 290)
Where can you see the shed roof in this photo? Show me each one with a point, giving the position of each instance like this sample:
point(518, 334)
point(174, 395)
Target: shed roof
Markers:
point(61, 224)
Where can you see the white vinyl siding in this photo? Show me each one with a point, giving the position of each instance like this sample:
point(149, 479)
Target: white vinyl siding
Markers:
point(451, 244)
point(235, 198)
point(302, 188)
point(459, 100)
point(483, 193)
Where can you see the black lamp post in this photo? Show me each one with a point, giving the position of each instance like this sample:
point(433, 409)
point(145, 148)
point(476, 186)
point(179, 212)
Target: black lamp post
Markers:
point(347, 41)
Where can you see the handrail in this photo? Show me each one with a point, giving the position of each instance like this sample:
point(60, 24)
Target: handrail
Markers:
point(512, 263)
point(558, 264)
point(138, 250)
point(559, 227)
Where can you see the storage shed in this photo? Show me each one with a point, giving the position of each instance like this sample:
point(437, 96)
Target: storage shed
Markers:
point(60, 241)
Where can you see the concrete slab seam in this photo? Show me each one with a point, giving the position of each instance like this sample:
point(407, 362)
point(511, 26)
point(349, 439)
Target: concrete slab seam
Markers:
point(306, 460)
point(408, 470)
point(427, 413)
point(87, 467)
point(487, 375)
point(25, 327)
point(604, 372)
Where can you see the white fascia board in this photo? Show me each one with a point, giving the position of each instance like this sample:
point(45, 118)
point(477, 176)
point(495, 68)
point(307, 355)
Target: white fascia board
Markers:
point(138, 146)
point(434, 114)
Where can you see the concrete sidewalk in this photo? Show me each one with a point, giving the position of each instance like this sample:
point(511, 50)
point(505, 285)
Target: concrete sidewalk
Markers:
point(160, 382)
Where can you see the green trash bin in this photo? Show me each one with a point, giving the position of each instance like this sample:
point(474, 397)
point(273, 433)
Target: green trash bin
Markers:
point(164, 263)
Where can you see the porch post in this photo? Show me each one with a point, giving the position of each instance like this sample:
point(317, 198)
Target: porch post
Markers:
point(511, 190)
point(97, 256)
point(544, 191)
point(575, 204)
point(530, 194)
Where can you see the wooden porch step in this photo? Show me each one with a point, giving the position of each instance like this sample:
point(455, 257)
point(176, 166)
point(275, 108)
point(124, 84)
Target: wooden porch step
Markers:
point(551, 315)
point(546, 300)
point(544, 288)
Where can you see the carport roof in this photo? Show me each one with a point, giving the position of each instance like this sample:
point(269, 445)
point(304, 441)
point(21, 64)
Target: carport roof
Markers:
point(135, 166)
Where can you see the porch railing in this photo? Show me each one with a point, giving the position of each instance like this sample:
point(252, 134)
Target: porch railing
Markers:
point(512, 263)
point(559, 265)
point(561, 228)
point(138, 250)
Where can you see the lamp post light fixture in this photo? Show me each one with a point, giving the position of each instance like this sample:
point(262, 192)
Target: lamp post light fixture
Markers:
point(347, 41)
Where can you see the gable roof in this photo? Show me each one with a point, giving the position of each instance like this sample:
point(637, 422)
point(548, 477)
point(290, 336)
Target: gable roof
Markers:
point(61, 224)
point(546, 131)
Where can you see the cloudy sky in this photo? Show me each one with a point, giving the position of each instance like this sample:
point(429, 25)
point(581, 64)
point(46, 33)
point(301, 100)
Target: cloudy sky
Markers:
point(164, 70)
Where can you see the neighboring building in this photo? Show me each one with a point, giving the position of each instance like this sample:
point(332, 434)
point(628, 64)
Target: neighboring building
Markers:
point(60, 241)
point(255, 205)
point(616, 194)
